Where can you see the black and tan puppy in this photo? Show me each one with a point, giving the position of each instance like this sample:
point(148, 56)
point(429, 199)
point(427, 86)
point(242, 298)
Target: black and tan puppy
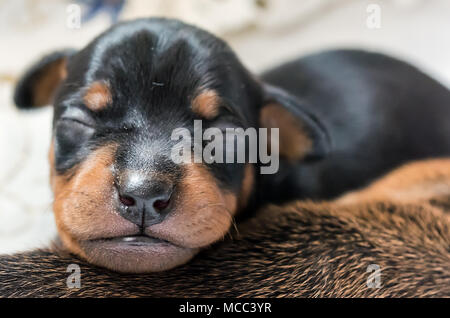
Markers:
point(345, 117)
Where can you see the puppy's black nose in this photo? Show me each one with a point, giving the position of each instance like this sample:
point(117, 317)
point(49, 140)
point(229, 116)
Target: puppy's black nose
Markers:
point(143, 200)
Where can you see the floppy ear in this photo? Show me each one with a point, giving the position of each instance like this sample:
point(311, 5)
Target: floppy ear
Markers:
point(38, 85)
point(301, 135)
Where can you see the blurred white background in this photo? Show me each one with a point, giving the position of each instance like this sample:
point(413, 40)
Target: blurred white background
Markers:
point(262, 32)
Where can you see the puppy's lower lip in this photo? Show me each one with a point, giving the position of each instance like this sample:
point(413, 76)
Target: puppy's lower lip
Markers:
point(136, 253)
point(137, 240)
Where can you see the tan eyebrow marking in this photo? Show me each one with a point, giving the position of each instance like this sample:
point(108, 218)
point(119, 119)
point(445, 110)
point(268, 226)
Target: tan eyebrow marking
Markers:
point(206, 104)
point(98, 96)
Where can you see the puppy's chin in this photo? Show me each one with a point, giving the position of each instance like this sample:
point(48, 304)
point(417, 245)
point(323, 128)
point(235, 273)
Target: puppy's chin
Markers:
point(136, 254)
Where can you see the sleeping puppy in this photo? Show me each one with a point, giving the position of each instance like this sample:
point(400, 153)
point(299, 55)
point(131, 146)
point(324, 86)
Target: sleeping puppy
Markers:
point(332, 121)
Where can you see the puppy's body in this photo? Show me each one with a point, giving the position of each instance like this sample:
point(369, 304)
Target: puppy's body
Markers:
point(299, 250)
point(379, 113)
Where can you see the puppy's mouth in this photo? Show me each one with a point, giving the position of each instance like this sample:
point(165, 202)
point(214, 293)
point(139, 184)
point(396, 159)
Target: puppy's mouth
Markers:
point(136, 253)
point(135, 240)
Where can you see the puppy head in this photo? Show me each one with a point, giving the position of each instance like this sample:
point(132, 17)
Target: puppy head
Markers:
point(120, 200)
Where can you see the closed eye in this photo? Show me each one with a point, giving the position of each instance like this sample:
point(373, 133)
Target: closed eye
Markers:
point(77, 121)
point(77, 115)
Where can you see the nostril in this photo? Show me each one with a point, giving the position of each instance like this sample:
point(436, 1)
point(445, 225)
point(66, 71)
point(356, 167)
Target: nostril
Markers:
point(126, 200)
point(160, 205)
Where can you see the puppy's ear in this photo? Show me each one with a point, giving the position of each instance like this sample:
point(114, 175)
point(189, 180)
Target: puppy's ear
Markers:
point(38, 85)
point(301, 135)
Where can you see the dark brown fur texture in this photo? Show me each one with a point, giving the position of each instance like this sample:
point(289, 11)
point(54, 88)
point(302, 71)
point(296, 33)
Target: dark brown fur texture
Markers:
point(303, 249)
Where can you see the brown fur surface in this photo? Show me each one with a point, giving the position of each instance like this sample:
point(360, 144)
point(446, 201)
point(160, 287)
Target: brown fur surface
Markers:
point(413, 182)
point(303, 249)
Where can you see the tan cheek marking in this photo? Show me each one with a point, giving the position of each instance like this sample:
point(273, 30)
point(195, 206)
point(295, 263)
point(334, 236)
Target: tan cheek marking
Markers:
point(294, 141)
point(206, 104)
point(45, 87)
point(98, 96)
point(58, 185)
point(203, 212)
point(198, 181)
point(83, 205)
point(247, 185)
